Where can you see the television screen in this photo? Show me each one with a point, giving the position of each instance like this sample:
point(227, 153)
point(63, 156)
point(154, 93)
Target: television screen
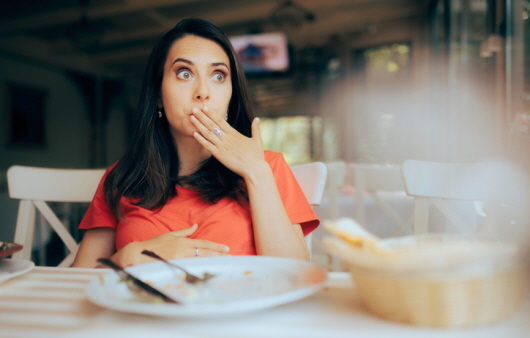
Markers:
point(262, 53)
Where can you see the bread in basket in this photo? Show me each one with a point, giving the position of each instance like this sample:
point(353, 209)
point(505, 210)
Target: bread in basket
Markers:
point(437, 280)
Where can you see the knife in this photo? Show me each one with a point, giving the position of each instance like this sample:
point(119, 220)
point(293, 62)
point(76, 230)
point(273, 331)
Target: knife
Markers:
point(137, 282)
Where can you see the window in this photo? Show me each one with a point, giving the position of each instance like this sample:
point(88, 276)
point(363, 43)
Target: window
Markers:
point(294, 136)
point(382, 99)
point(465, 89)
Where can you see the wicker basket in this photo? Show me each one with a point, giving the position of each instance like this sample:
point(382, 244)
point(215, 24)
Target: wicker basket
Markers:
point(439, 297)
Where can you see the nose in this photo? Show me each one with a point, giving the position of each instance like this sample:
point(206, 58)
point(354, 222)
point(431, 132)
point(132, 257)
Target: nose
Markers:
point(202, 92)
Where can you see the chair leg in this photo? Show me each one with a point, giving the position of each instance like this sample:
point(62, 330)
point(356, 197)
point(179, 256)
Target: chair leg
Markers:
point(421, 216)
point(56, 224)
point(68, 260)
point(25, 227)
point(309, 243)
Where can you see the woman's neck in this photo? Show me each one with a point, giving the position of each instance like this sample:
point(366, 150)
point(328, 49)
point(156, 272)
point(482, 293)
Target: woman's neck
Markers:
point(191, 155)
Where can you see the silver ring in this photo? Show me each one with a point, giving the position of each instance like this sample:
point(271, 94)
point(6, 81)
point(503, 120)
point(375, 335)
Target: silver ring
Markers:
point(196, 252)
point(217, 131)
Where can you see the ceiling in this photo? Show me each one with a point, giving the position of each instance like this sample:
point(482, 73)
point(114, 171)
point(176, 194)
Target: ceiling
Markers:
point(37, 30)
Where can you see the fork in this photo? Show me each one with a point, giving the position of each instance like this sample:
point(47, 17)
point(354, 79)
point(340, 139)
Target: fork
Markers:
point(190, 278)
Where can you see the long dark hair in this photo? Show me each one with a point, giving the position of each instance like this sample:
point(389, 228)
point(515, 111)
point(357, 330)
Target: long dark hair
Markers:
point(148, 171)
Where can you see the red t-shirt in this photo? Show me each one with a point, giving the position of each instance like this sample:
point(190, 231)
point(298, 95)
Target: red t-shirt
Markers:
point(225, 222)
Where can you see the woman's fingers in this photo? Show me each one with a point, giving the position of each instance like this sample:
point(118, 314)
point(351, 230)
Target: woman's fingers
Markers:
point(256, 131)
point(237, 152)
point(205, 131)
point(208, 248)
point(202, 248)
point(216, 118)
point(208, 123)
point(211, 246)
point(169, 245)
point(202, 252)
point(204, 142)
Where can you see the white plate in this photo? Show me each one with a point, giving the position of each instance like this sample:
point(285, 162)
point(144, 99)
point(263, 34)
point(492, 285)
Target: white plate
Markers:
point(241, 284)
point(9, 248)
point(10, 267)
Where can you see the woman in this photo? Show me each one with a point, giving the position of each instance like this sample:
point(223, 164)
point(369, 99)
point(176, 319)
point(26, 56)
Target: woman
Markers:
point(195, 180)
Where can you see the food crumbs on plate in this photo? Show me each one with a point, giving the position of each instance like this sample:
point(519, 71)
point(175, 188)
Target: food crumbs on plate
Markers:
point(149, 283)
point(248, 272)
point(169, 286)
point(180, 286)
point(191, 293)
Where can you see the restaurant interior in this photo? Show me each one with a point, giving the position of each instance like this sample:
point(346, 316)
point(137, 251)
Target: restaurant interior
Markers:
point(362, 86)
point(360, 82)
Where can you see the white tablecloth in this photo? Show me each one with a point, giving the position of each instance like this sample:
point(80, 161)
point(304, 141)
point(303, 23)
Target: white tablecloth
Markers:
point(50, 302)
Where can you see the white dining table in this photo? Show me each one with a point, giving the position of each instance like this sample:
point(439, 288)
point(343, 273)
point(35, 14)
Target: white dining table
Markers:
point(51, 302)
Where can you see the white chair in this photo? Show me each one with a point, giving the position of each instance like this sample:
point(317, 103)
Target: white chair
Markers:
point(312, 179)
point(372, 180)
point(34, 187)
point(335, 180)
point(439, 183)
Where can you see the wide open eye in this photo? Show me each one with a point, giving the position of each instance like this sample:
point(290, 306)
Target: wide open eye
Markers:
point(184, 74)
point(219, 77)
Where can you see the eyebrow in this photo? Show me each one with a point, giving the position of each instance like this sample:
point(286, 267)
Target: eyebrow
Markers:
point(215, 64)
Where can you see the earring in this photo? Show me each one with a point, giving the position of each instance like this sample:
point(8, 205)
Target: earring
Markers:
point(226, 117)
point(159, 113)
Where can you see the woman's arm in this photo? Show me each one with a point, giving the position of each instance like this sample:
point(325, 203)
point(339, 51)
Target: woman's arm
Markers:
point(96, 243)
point(274, 234)
point(100, 242)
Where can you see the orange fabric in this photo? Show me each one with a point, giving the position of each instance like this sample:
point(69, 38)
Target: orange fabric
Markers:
point(225, 222)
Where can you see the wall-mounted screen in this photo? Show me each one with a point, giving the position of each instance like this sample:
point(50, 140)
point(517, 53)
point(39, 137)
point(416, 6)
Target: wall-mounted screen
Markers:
point(262, 53)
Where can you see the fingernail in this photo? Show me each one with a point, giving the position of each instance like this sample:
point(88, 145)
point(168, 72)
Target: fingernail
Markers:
point(195, 110)
point(257, 119)
point(194, 118)
point(226, 249)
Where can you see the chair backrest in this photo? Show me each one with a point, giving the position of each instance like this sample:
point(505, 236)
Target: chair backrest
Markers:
point(34, 187)
point(335, 180)
point(312, 179)
point(437, 183)
point(372, 179)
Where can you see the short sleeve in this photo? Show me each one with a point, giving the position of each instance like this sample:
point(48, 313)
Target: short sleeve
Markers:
point(98, 214)
point(298, 208)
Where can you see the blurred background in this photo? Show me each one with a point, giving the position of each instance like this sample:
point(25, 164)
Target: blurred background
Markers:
point(374, 81)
